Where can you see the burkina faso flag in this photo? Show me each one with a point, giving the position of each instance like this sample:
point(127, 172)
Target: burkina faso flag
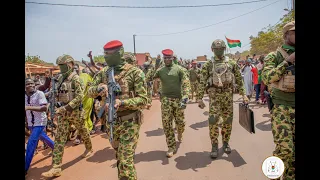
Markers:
point(233, 43)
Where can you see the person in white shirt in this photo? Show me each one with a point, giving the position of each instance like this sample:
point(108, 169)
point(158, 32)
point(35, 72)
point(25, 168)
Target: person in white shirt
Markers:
point(35, 107)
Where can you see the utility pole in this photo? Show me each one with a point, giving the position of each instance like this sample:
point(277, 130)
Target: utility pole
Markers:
point(293, 6)
point(134, 44)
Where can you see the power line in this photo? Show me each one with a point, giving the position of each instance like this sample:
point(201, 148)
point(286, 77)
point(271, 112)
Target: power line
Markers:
point(212, 24)
point(143, 7)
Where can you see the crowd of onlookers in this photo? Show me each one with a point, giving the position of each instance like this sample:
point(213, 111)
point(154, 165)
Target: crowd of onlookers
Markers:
point(251, 69)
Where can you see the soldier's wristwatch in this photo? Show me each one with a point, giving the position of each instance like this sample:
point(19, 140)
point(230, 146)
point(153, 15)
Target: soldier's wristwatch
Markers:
point(122, 103)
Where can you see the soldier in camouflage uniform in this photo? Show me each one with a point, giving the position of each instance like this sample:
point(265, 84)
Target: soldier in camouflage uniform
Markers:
point(149, 71)
point(128, 105)
point(278, 74)
point(156, 82)
point(174, 96)
point(130, 58)
point(219, 75)
point(70, 94)
point(194, 79)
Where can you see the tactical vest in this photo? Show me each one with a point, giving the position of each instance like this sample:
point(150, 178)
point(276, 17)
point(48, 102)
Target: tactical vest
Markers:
point(66, 92)
point(221, 75)
point(125, 89)
point(287, 81)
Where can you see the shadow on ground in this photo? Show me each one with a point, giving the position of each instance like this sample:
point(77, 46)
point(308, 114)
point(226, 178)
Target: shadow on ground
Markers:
point(156, 132)
point(264, 125)
point(234, 157)
point(106, 154)
point(198, 125)
point(193, 160)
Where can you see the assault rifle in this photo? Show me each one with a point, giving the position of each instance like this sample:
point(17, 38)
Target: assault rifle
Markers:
point(114, 90)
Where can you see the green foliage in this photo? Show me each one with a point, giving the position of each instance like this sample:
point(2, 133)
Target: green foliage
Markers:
point(271, 38)
point(36, 59)
point(244, 54)
point(99, 59)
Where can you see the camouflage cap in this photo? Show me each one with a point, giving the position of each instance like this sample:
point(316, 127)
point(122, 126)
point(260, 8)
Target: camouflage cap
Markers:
point(129, 57)
point(218, 43)
point(64, 59)
point(288, 27)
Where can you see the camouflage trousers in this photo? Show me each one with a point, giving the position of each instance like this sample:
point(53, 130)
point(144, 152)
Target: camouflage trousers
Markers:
point(63, 132)
point(283, 130)
point(194, 89)
point(220, 106)
point(149, 93)
point(125, 140)
point(170, 108)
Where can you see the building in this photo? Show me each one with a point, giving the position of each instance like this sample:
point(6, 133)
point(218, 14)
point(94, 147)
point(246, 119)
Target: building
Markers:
point(201, 58)
point(32, 69)
point(141, 58)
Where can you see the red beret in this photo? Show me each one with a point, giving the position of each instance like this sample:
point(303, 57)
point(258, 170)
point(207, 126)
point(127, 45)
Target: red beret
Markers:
point(113, 44)
point(167, 52)
point(194, 62)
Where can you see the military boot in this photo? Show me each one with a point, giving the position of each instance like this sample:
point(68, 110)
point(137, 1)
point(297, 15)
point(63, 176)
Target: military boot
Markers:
point(214, 151)
point(170, 153)
point(55, 171)
point(226, 148)
point(87, 153)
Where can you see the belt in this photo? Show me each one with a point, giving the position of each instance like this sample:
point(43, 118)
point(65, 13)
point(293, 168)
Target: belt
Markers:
point(221, 89)
point(132, 116)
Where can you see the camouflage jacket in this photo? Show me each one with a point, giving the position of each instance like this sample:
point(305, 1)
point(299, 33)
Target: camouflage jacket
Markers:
point(197, 71)
point(205, 74)
point(274, 66)
point(149, 74)
point(133, 86)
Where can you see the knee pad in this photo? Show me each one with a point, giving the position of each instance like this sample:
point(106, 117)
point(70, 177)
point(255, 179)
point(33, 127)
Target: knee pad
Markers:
point(229, 120)
point(213, 120)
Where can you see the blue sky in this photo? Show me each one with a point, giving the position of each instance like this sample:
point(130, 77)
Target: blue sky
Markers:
point(51, 31)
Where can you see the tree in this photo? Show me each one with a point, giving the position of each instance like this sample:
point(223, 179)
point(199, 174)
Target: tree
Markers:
point(244, 54)
point(271, 37)
point(35, 59)
point(99, 59)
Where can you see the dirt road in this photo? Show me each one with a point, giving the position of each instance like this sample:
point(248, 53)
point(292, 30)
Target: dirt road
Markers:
point(192, 161)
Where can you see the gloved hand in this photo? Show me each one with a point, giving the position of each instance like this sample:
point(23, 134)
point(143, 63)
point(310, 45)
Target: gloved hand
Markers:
point(183, 103)
point(245, 99)
point(103, 90)
point(201, 104)
point(61, 110)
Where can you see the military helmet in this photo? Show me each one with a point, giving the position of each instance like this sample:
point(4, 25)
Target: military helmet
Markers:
point(218, 43)
point(129, 57)
point(64, 59)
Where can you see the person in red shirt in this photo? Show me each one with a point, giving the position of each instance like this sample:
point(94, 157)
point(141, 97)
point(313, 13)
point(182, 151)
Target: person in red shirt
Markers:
point(256, 83)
